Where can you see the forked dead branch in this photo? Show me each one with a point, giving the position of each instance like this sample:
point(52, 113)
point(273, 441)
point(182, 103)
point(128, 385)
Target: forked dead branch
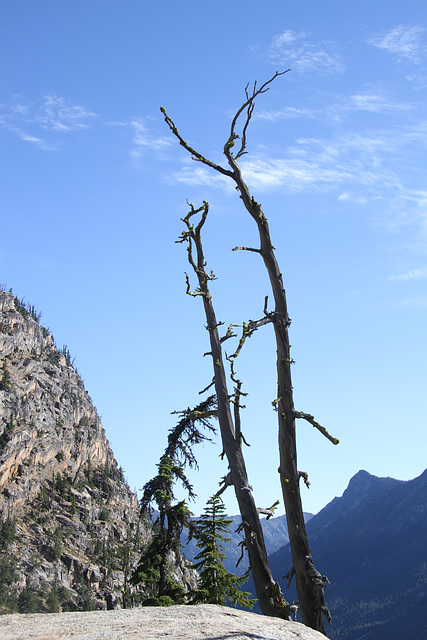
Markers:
point(310, 583)
point(268, 591)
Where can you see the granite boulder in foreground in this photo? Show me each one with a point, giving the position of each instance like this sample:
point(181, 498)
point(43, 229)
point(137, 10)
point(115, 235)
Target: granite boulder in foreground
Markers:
point(181, 622)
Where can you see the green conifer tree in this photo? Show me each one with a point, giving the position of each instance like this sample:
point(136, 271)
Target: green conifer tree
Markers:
point(152, 570)
point(217, 585)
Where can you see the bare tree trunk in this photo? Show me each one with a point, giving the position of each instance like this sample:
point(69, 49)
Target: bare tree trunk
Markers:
point(309, 582)
point(268, 591)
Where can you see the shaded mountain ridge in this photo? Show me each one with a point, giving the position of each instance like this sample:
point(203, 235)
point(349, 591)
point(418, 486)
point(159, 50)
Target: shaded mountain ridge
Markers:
point(372, 545)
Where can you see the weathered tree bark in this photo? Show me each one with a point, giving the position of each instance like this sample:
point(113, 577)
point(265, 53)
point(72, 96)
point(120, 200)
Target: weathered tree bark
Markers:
point(309, 582)
point(268, 591)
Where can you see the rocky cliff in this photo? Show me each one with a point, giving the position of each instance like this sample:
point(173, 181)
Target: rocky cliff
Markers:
point(70, 531)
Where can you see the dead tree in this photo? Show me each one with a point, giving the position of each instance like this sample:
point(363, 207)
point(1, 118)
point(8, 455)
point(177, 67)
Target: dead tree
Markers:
point(310, 583)
point(268, 591)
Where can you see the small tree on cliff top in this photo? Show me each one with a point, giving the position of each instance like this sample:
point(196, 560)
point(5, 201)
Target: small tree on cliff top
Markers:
point(217, 585)
point(309, 582)
point(152, 569)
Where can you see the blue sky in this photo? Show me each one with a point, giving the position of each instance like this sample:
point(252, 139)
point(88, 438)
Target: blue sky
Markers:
point(93, 187)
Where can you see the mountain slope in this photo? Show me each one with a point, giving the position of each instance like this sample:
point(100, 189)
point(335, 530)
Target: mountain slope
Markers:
point(372, 545)
point(275, 536)
point(70, 530)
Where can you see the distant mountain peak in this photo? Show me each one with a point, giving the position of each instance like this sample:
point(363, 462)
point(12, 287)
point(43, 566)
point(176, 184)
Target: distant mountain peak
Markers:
point(361, 482)
point(364, 481)
point(371, 544)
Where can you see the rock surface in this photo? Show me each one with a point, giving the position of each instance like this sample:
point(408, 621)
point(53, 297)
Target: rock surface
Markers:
point(207, 622)
point(70, 528)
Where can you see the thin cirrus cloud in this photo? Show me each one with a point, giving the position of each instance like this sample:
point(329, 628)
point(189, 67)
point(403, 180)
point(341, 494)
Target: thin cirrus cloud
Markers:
point(403, 42)
point(198, 175)
point(27, 137)
point(411, 274)
point(371, 100)
point(375, 102)
point(356, 167)
point(143, 137)
point(293, 49)
point(35, 123)
point(57, 115)
point(310, 170)
point(420, 301)
point(286, 114)
point(317, 164)
point(293, 173)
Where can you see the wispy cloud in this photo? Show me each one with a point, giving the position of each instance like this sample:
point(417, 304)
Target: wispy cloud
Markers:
point(360, 169)
point(369, 99)
point(35, 123)
point(411, 274)
point(286, 114)
point(420, 301)
point(294, 49)
point(403, 42)
point(292, 173)
point(24, 135)
point(375, 102)
point(197, 175)
point(316, 164)
point(352, 197)
point(144, 137)
point(57, 115)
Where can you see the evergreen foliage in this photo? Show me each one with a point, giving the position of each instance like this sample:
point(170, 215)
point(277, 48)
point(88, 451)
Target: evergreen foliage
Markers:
point(5, 384)
point(26, 309)
point(173, 516)
point(7, 533)
point(217, 585)
point(66, 353)
point(29, 601)
point(8, 596)
point(7, 433)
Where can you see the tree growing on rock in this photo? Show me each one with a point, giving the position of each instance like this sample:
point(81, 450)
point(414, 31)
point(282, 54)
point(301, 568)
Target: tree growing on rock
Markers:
point(173, 516)
point(217, 585)
point(309, 582)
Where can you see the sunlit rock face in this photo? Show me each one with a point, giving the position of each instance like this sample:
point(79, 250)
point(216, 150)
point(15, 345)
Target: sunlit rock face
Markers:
point(70, 526)
point(184, 622)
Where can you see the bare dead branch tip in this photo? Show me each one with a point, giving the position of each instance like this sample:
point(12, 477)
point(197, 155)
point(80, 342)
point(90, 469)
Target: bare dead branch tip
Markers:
point(304, 476)
point(235, 399)
point(265, 306)
point(249, 328)
point(194, 154)
point(241, 544)
point(249, 106)
point(226, 481)
point(229, 333)
point(269, 512)
point(289, 575)
point(246, 249)
point(198, 292)
point(208, 387)
point(309, 418)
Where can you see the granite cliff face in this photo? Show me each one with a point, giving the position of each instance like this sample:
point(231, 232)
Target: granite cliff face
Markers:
point(70, 530)
point(182, 622)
